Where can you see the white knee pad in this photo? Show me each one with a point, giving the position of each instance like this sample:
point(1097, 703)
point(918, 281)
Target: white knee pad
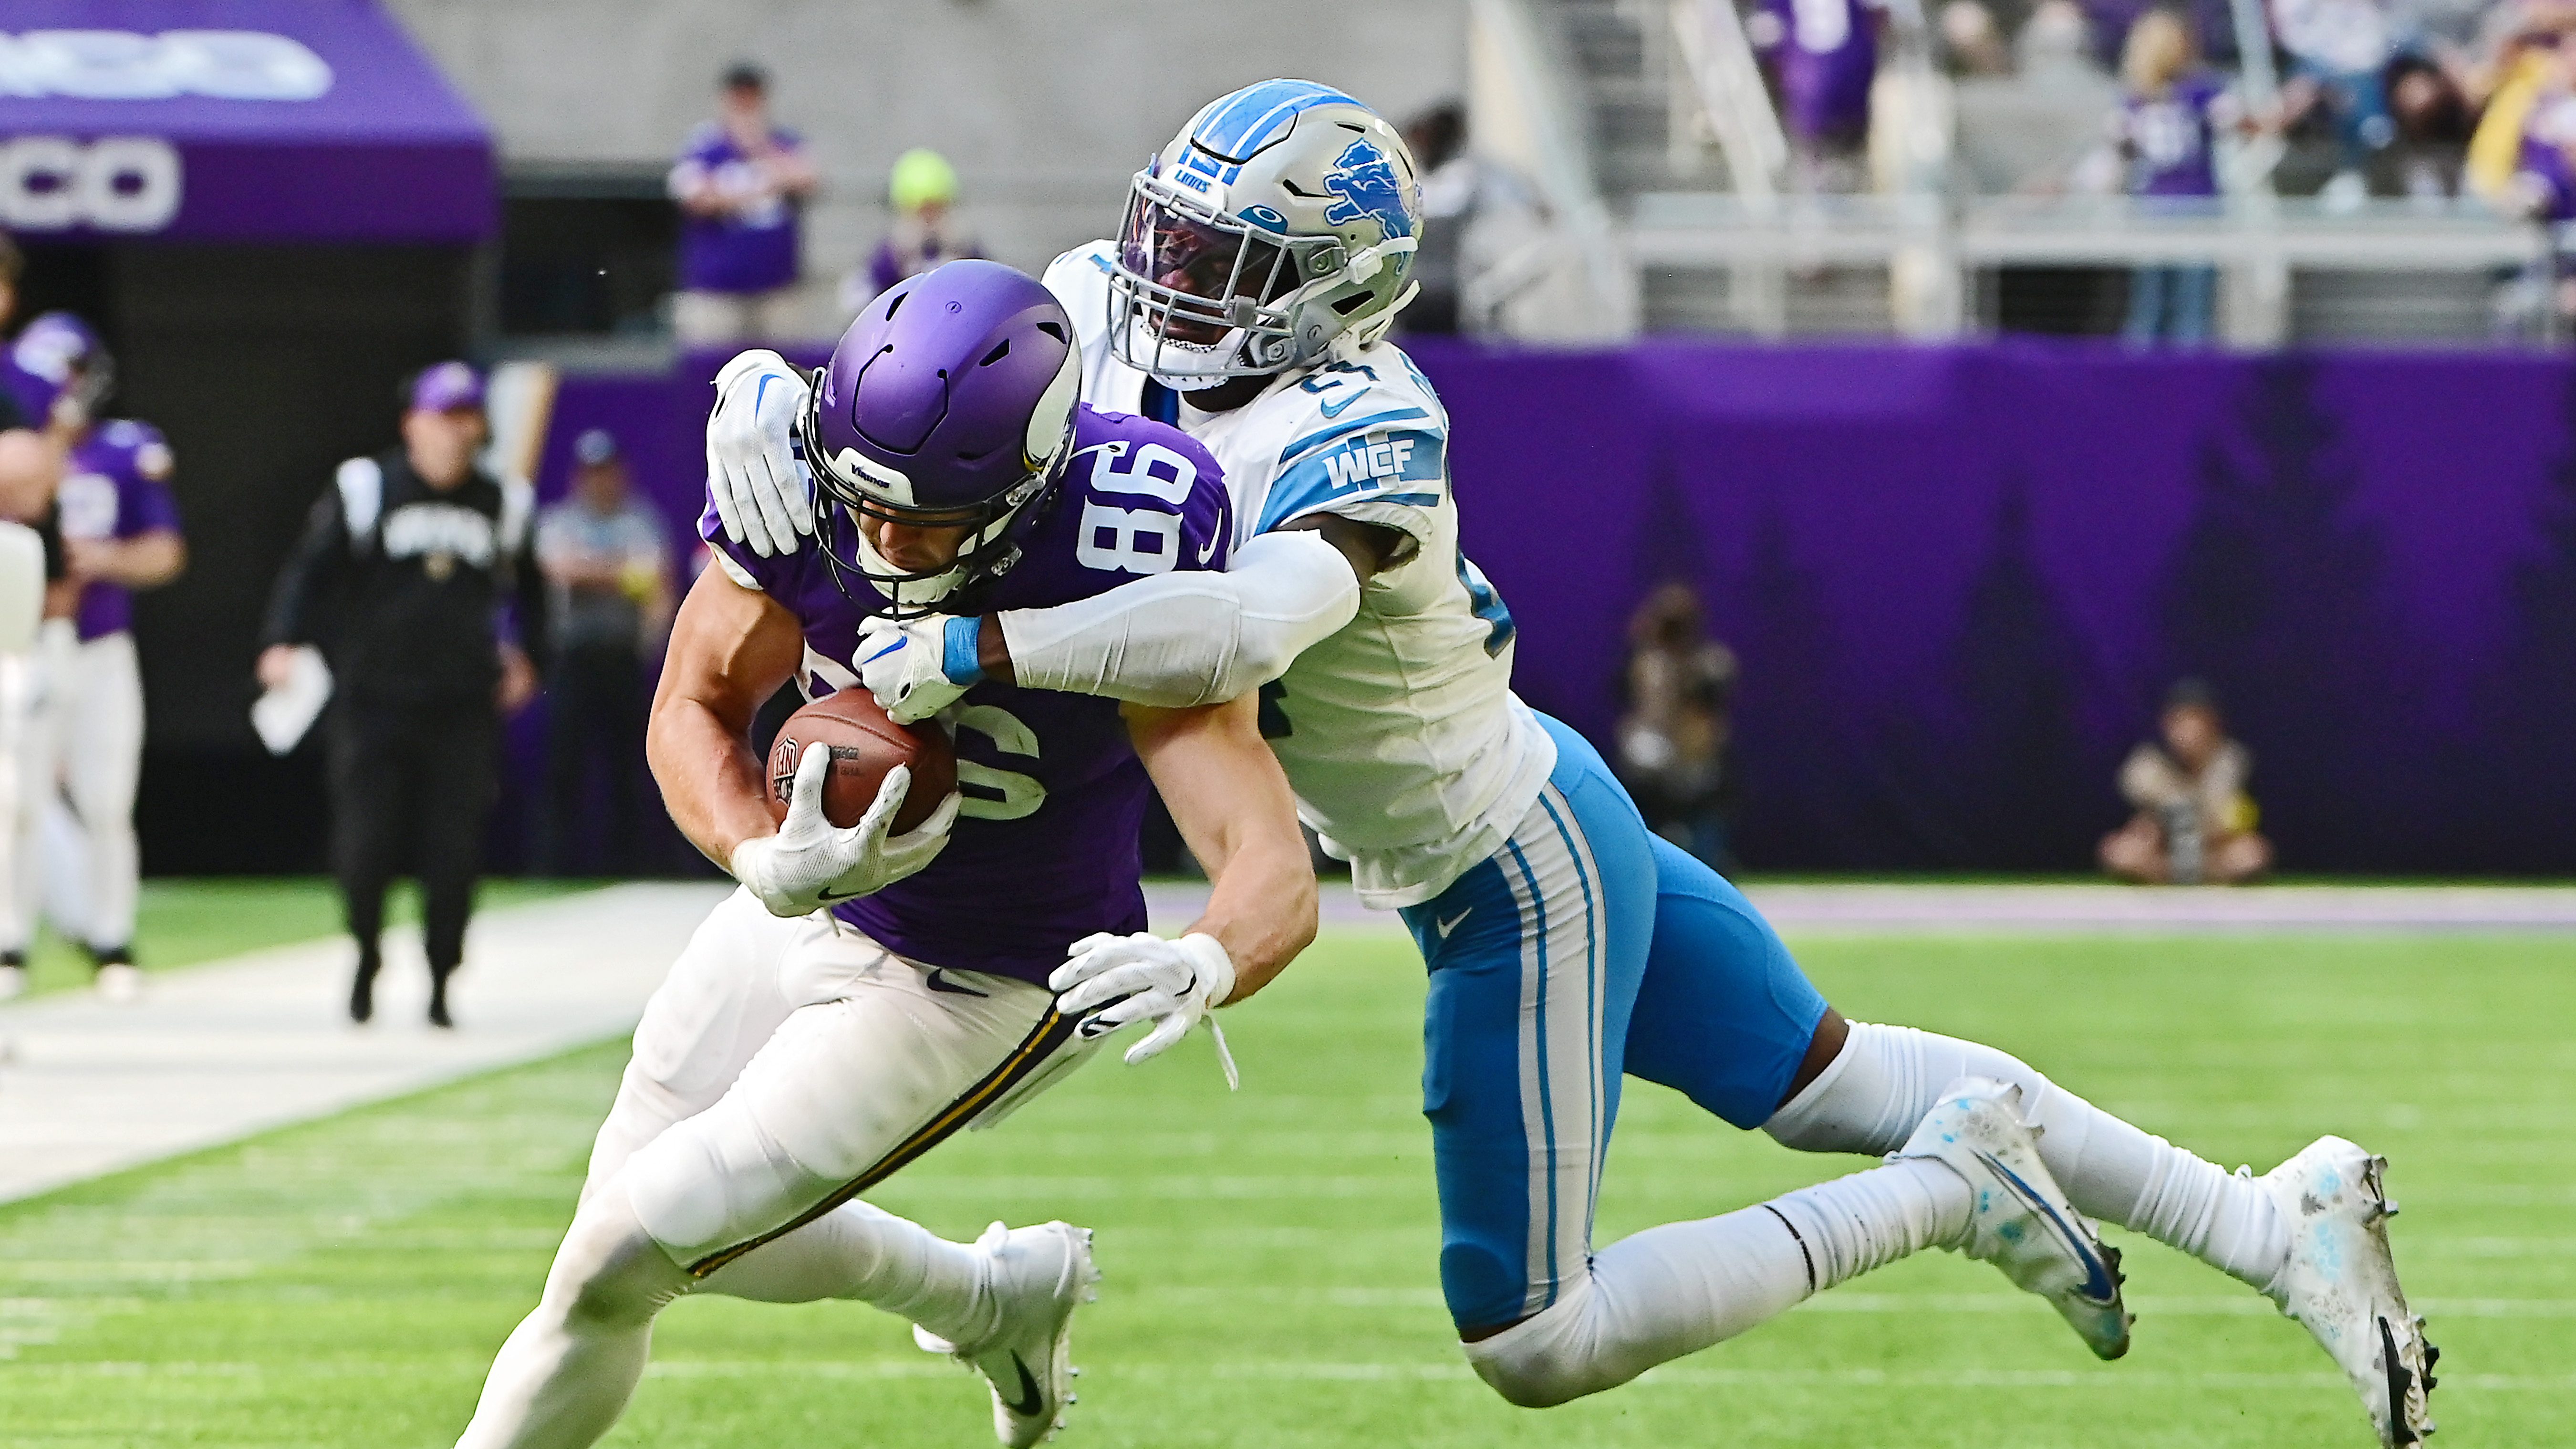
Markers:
point(717, 1181)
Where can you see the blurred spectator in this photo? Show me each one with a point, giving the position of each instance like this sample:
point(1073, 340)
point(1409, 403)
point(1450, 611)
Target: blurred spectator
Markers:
point(2433, 126)
point(607, 564)
point(2194, 822)
point(1674, 733)
point(2339, 51)
point(740, 182)
point(401, 577)
point(1824, 56)
point(1971, 41)
point(2166, 133)
point(2526, 66)
point(2055, 45)
point(923, 193)
point(1484, 240)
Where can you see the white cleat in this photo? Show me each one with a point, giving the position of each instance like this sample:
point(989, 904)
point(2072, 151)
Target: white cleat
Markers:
point(1039, 1276)
point(13, 982)
point(2341, 1283)
point(2021, 1221)
point(120, 983)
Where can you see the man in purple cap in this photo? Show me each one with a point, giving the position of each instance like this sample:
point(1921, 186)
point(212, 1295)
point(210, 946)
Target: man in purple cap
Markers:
point(867, 994)
point(405, 563)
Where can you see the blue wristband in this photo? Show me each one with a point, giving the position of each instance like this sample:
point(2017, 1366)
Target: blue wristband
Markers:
point(960, 653)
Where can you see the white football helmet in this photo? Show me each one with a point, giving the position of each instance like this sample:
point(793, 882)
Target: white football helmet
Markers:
point(1280, 221)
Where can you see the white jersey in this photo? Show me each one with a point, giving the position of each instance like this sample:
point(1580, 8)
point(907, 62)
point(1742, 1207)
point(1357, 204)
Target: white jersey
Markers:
point(1400, 733)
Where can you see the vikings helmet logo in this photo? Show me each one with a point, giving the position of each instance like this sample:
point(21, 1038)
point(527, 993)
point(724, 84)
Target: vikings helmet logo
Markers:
point(1367, 185)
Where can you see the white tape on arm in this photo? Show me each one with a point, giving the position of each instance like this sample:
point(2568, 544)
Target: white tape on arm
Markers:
point(1182, 639)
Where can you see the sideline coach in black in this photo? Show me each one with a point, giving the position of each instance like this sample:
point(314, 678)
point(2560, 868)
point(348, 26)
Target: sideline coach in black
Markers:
point(401, 579)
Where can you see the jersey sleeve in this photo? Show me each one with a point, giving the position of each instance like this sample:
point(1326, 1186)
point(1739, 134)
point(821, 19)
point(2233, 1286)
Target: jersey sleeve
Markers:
point(1369, 447)
point(773, 575)
point(148, 506)
point(1152, 502)
point(1080, 281)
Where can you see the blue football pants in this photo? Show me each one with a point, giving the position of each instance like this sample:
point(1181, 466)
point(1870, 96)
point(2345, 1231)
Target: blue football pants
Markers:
point(1583, 949)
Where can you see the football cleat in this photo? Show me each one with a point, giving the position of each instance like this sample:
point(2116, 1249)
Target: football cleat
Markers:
point(2021, 1221)
point(120, 982)
point(1038, 1276)
point(13, 980)
point(2341, 1283)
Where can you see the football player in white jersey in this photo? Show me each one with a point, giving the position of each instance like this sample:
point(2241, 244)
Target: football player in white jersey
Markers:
point(1263, 257)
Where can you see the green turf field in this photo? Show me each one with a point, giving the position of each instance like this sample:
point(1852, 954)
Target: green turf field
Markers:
point(1269, 1256)
point(183, 922)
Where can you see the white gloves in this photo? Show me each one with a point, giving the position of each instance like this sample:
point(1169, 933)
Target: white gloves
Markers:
point(1146, 978)
point(918, 667)
point(752, 474)
point(810, 863)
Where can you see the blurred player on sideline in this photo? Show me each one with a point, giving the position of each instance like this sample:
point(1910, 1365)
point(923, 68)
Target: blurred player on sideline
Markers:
point(865, 995)
point(1263, 257)
point(31, 465)
point(120, 532)
point(405, 565)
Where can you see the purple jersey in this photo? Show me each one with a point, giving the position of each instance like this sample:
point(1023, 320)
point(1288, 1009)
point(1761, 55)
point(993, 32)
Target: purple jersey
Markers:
point(115, 487)
point(1045, 849)
point(750, 250)
point(2168, 138)
point(1827, 57)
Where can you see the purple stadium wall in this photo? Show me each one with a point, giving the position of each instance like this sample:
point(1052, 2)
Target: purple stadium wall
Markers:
point(1959, 578)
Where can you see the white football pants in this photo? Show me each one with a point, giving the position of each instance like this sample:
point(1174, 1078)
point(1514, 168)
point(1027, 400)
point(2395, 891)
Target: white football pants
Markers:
point(783, 1067)
point(96, 732)
point(33, 715)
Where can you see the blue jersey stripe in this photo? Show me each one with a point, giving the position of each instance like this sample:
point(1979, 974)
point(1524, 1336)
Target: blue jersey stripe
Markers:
point(1345, 429)
point(1361, 467)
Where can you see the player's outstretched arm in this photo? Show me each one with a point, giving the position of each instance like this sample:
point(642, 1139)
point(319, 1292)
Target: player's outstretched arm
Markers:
point(1225, 791)
point(1172, 641)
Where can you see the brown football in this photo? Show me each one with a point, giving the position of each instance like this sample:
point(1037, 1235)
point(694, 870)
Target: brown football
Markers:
point(865, 745)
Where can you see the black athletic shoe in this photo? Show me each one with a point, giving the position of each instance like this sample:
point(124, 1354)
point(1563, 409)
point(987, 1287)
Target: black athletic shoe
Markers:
point(438, 1016)
point(362, 996)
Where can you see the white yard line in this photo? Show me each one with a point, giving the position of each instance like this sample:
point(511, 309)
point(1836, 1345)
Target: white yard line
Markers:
point(1880, 909)
point(217, 1052)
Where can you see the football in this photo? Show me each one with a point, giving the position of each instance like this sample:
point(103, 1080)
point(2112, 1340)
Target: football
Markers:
point(865, 744)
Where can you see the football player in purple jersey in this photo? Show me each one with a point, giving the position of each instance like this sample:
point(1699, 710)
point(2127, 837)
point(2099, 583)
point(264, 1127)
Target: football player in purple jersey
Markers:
point(120, 534)
point(866, 994)
point(82, 739)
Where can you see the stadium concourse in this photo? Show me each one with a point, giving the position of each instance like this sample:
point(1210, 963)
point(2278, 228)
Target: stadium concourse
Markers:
point(231, 1048)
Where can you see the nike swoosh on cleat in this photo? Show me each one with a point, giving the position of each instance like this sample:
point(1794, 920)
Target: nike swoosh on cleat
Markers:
point(1030, 1402)
point(941, 981)
point(827, 895)
point(2099, 1288)
point(1451, 924)
point(2400, 1383)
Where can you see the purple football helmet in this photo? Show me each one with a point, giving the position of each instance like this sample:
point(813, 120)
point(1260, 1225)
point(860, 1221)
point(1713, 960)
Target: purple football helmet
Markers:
point(57, 361)
point(948, 403)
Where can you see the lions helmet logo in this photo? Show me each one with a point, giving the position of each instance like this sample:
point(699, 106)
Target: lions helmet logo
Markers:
point(1367, 185)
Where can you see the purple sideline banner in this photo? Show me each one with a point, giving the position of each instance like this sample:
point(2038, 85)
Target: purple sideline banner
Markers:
point(1959, 578)
point(233, 121)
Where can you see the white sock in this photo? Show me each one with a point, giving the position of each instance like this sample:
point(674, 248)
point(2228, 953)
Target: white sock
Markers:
point(866, 1254)
point(568, 1369)
point(1679, 1288)
point(1875, 1093)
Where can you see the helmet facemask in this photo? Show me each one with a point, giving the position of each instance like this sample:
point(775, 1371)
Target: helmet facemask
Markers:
point(848, 488)
point(1200, 297)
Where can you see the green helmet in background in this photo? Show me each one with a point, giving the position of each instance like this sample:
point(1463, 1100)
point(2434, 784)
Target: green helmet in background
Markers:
point(1278, 226)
